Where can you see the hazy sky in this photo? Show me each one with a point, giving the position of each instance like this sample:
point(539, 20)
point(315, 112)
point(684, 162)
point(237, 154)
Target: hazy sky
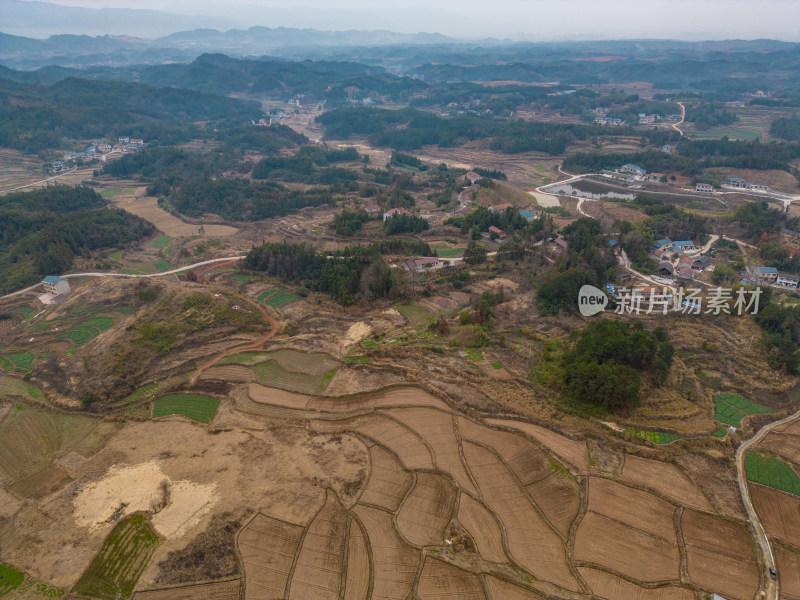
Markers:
point(516, 19)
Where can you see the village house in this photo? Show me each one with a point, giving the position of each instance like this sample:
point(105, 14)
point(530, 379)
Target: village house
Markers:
point(766, 274)
point(701, 263)
point(529, 215)
point(665, 269)
point(55, 285)
point(654, 176)
point(373, 210)
point(704, 187)
point(561, 245)
point(787, 280)
point(630, 169)
point(472, 177)
point(683, 246)
point(500, 233)
point(421, 263)
point(392, 212)
point(500, 208)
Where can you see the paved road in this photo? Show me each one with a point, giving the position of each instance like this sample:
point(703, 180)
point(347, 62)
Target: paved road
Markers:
point(131, 275)
point(771, 589)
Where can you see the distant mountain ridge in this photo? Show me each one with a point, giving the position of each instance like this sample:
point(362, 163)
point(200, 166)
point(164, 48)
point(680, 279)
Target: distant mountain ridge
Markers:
point(41, 19)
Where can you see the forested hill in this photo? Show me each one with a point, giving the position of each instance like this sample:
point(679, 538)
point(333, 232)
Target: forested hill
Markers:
point(410, 129)
point(35, 117)
point(41, 232)
point(220, 74)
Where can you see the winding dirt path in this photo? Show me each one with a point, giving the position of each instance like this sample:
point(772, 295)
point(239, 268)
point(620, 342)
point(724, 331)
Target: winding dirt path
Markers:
point(256, 345)
point(683, 116)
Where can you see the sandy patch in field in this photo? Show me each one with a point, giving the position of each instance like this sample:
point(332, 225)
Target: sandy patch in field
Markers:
point(356, 333)
point(545, 200)
point(147, 208)
point(126, 490)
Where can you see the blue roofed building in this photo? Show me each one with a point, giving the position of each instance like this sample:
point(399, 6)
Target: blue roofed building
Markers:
point(528, 214)
point(633, 170)
point(766, 274)
point(683, 246)
point(55, 285)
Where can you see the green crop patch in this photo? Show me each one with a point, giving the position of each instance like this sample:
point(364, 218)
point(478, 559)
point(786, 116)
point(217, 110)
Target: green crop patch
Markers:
point(10, 579)
point(161, 242)
point(417, 316)
point(242, 278)
point(274, 375)
point(371, 344)
point(720, 433)
point(731, 408)
point(161, 265)
point(80, 334)
point(267, 293)
point(20, 362)
point(772, 472)
point(475, 355)
point(280, 299)
point(139, 394)
point(116, 569)
point(656, 437)
point(101, 323)
point(198, 408)
point(357, 359)
point(497, 365)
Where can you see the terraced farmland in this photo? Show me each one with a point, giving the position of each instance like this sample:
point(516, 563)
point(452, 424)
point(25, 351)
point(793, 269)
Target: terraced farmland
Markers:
point(732, 408)
point(114, 572)
point(281, 299)
point(30, 439)
point(198, 408)
point(657, 437)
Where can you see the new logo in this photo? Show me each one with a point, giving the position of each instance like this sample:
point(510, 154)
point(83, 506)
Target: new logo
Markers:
point(591, 300)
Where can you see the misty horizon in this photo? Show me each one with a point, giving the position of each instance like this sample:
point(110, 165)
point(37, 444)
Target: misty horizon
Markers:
point(540, 21)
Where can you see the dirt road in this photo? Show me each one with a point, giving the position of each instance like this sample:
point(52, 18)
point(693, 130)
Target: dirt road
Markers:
point(229, 259)
point(256, 345)
point(683, 116)
point(770, 587)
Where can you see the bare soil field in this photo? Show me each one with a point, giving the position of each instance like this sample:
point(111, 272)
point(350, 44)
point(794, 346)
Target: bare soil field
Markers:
point(359, 570)
point(573, 451)
point(497, 589)
point(611, 587)
point(318, 570)
point(440, 581)
point(394, 563)
point(531, 542)
point(527, 461)
point(666, 479)
point(388, 481)
point(268, 548)
point(636, 554)
point(632, 507)
point(482, 526)
point(426, 510)
point(221, 590)
point(436, 428)
point(779, 513)
point(559, 499)
point(789, 572)
point(712, 542)
point(406, 445)
point(394, 397)
point(786, 444)
point(147, 208)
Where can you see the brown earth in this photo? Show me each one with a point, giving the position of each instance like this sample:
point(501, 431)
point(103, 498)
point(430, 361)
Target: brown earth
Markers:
point(710, 542)
point(426, 510)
